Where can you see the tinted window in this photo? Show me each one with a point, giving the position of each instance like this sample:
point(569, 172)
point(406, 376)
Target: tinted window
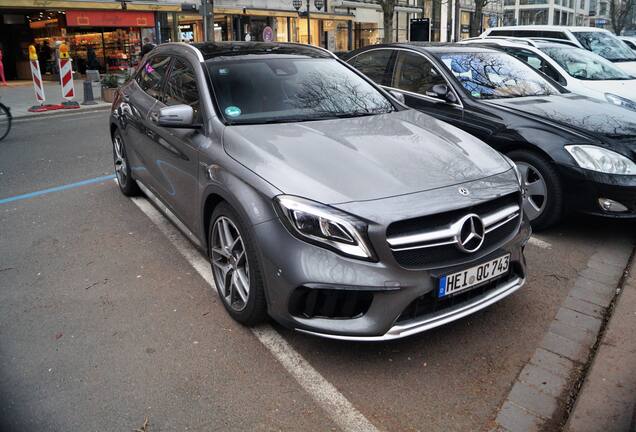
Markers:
point(290, 89)
point(375, 65)
point(606, 45)
point(537, 62)
point(415, 73)
point(490, 75)
point(181, 87)
point(152, 75)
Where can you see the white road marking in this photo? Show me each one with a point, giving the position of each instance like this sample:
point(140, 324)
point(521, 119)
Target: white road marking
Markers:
point(334, 403)
point(539, 243)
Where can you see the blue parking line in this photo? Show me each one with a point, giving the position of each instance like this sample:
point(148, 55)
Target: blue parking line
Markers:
point(57, 189)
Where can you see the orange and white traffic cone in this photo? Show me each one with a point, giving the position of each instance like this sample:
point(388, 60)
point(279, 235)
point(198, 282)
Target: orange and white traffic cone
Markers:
point(66, 79)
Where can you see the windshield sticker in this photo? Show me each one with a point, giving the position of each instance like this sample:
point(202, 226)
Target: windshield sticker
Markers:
point(475, 94)
point(233, 111)
point(224, 71)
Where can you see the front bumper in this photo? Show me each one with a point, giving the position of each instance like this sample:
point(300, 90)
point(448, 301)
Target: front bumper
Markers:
point(290, 264)
point(584, 188)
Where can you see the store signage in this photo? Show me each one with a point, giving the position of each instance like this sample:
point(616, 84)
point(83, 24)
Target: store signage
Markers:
point(268, 34)
point(76, 18)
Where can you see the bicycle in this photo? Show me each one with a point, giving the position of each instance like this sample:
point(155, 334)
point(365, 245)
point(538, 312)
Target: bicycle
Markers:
point(5, 121)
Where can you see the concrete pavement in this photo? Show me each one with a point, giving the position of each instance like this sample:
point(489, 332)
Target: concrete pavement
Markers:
point(19, 97)
point(105, 318)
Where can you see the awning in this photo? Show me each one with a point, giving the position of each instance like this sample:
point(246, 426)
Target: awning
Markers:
point(357, 4)
point(93, 18)
point(99, 5)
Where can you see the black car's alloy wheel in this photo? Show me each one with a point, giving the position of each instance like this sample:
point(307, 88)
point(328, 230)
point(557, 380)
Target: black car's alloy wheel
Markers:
point(541, 188)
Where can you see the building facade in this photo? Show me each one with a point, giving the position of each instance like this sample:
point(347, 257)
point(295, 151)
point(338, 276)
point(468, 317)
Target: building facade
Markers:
point(547, 12)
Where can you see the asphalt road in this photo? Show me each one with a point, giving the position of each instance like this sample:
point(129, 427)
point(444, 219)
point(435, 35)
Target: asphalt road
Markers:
point(104, 321)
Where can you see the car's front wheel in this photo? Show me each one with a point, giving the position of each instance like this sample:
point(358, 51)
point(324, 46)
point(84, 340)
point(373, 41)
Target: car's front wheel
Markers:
point(235, 267)
point(541, 187)
point(127, 184)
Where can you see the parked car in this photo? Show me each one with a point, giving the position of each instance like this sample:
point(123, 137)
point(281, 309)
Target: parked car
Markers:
point(597, 40)
point(574, 153)
point(318, 197)
point(578, 70)
point(630, 41)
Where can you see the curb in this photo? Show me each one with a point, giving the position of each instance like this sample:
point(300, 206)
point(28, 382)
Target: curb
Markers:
point(51, 114)
point(540, 396)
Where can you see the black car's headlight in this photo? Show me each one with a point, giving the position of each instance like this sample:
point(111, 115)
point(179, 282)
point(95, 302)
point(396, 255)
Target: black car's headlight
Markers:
point(325, 226)
point(620, 101)
point(600, 159)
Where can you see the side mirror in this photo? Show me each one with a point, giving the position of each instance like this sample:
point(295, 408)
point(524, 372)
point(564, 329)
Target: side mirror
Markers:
point(176, 116)
point(441, 91)
point(397, 95)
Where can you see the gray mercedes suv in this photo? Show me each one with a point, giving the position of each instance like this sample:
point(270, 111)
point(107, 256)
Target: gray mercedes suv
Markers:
point(319, 198)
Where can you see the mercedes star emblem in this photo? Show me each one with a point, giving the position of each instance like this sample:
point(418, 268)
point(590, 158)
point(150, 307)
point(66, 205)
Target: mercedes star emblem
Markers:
point(471, 234)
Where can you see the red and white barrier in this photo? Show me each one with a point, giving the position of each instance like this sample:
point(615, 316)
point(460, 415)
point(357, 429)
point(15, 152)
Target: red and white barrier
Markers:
point(37, 82)
point(66, 79)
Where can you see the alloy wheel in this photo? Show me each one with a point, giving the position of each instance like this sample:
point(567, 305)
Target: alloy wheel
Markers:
point(230, 264)
point(535, 190)
point(120, 161)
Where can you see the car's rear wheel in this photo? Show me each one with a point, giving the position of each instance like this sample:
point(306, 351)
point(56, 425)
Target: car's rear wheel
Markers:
point(542, 189)
point(127, 184)
point(235, 267)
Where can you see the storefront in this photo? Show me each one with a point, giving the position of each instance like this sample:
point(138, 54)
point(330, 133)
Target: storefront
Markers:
point(99, 35)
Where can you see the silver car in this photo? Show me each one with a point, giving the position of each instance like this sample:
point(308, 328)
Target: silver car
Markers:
point(319, 198)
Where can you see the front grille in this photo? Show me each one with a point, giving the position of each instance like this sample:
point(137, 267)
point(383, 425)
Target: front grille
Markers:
point(442, 250)
point(429, 303)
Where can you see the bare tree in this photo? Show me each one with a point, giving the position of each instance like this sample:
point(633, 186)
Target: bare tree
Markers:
point(619, 12)
point(388, 9)
point(477, 18)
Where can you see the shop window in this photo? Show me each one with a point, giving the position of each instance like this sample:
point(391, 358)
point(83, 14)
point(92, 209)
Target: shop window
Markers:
point(414, 73)
point(152, 75)
point(375, 65)
point(181, 87)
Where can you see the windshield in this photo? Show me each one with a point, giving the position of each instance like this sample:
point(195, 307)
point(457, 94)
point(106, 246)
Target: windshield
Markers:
point(585, 65)
point(288, 89)
point(606, 45)
point(493, 75)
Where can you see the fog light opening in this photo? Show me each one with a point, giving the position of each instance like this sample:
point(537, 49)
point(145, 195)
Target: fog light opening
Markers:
point(609, 205)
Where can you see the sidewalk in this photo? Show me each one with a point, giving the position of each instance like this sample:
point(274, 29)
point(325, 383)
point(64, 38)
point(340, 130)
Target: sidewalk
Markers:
point(607, 401)
point(19, 97)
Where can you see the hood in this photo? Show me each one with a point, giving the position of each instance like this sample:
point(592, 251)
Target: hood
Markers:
point(622, 88)
point(590, 116)
point(363, 158)
point(629, 67)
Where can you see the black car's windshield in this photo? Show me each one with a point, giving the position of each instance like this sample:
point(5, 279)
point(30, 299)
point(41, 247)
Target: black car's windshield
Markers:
point(494, 75)
point(585, 65)
point(289, 89)
point(606, 45)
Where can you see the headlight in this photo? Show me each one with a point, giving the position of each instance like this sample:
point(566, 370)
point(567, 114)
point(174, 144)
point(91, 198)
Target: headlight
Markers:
point(601, 159)
point(325, 226)
point(620, 101)
point(516, 168)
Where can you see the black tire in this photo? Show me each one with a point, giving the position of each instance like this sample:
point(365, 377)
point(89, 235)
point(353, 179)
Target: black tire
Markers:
point(255, 308)
point(127, 184)
point(5, 121)
point(554, 199)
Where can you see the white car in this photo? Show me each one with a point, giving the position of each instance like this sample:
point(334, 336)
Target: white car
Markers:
point(630, 41)
point(579, 71)
point(597, 40)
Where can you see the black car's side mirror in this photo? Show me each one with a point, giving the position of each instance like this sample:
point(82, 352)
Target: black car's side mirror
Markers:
point(441, 91)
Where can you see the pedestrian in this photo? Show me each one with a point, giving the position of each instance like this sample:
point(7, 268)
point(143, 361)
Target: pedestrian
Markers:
point(91, 59)
point(44, 55)
point(2, 78)
point(147, 47)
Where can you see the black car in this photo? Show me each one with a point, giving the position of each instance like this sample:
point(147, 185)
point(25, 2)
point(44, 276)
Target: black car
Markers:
point(573, 153)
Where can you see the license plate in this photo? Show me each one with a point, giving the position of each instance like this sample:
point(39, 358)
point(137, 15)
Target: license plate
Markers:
point(460, 281)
